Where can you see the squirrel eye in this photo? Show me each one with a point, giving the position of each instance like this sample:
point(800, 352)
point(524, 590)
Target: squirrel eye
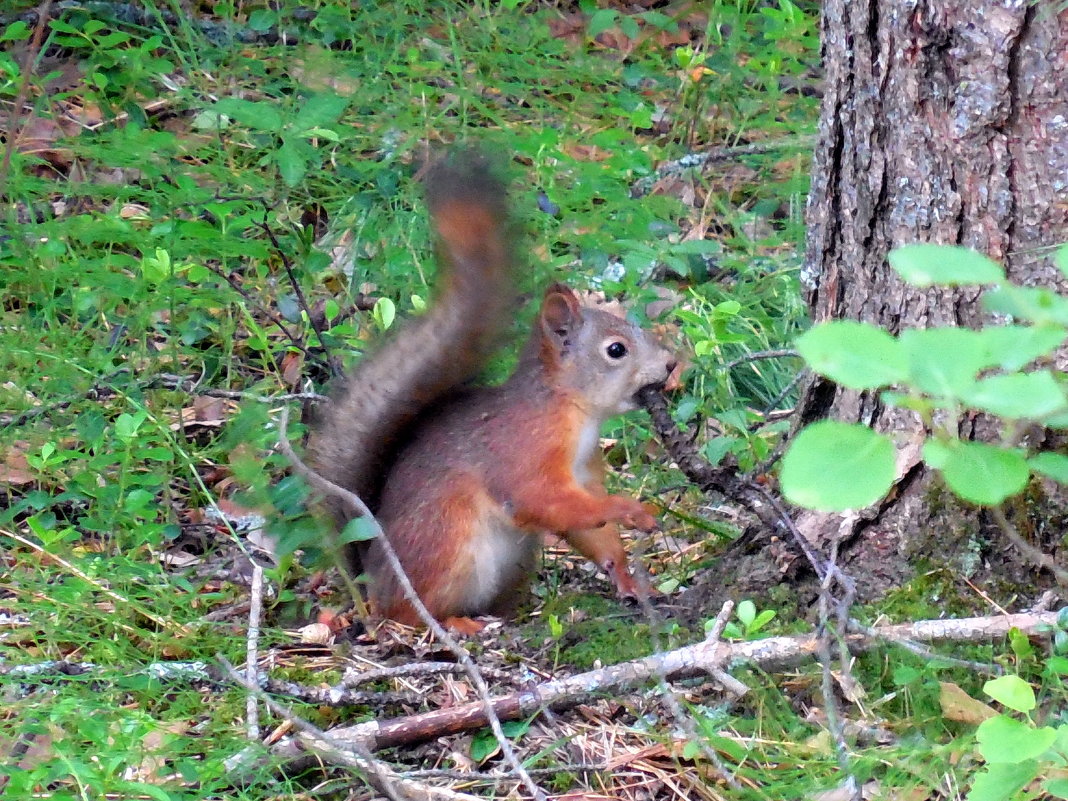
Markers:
point(616, 350)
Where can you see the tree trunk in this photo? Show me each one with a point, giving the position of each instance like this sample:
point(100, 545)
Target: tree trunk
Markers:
point(942, 122)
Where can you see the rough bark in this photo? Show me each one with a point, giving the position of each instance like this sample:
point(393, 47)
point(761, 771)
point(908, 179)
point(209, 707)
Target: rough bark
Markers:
point(942, 122)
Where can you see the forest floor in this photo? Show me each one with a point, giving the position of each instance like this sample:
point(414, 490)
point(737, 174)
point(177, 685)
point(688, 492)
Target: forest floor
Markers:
point(205, 215)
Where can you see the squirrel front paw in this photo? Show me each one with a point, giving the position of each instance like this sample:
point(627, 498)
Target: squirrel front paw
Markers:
point(632, 514)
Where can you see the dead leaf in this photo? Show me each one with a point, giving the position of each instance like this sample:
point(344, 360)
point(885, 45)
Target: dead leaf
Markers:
point(586, 152)
point(14, 469)
point(959, 706)
point(292, 369)
point(157, 749)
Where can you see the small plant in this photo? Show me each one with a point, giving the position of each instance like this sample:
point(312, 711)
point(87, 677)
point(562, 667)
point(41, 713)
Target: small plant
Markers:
point(1018, 751)
point(751, 622)
point(941, 374)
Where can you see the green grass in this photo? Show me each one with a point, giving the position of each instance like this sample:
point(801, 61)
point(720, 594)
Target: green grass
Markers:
point(116, 241)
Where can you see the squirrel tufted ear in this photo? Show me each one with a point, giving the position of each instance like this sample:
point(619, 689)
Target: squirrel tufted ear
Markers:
point(561, 312)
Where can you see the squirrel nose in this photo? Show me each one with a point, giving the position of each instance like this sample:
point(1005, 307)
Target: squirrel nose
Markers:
point(671, 366)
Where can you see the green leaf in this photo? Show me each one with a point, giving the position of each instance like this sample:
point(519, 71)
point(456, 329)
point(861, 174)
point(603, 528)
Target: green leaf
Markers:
point(601, 21)
point(833, 466)
point(1058, 788)
point(1004, 739)
point(984, 474)
point(936, 453)
point(1058, 665)
point(257, 115)
point(483, 746)
point(943, 362)
point(1051, 465)
point(359, 529)
point(1036, 304)
point(762, 620)
point(855, 355)
point(262, 19)
point(320, 110)
point(746, 612)
point(1000, 782)
point(384, 313)
point(16, 31)
point(126, 425)
point(291, 163)
point(1011, 691)
point(1030, 396)
point(923, 265)
point(1011, 347)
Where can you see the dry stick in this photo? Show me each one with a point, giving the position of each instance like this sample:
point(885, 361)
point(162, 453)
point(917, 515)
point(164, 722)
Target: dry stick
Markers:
point(1037, 557)
point(757, 356)
point(496, 776)
point(252, 720)
point(725, 480)
point(190, 385)
point(13, 131)
point(353, 678)
point(771, 513)
point(667, 693)
point(703, 658)
point(715, 155)
point(336, 696)
point(316, 324)
point(376, 773)
point(835, 723)
point(60, 405)
point(771, 407)
point(255, 304)
point(357, 506)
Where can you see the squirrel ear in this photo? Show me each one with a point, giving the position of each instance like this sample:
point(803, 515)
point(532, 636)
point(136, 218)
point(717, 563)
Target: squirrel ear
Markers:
point(560, 314)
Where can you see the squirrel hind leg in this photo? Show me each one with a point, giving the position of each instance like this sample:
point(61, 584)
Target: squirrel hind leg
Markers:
point(457, 545)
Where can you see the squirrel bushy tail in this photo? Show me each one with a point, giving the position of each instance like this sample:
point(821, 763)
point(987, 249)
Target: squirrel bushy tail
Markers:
point(368, 418)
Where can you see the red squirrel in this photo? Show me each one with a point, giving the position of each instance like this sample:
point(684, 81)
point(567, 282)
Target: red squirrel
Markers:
point(465, 480)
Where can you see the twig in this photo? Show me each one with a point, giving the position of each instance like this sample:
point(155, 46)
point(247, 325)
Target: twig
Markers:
point(758, 356)
point(1035, 556)
point(667, 692)
point(338, 696)
point(699, 659)
point(830, 698)
point(990, 668)
point(252, 716)
point(313, 320)
point(14, 132)
point(353, 678)
point(189, 384)
point(694, 161)
point(358, 507)
point(497, 775)
point(271, 315)
point(30, 414)
point(773, 404)
point(375, 772)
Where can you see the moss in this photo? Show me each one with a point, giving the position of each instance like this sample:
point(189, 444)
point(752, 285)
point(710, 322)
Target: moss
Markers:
point(594, 628)
point(934, 592)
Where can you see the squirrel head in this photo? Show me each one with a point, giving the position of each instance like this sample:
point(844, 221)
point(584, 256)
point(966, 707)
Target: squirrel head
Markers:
point(600, 358)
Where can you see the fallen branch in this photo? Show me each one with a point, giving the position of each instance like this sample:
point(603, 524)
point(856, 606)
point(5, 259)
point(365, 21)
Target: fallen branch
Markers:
point(704, 658)
point(715, 155)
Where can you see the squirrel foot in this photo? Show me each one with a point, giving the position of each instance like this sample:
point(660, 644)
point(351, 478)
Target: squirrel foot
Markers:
point(464, 626)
